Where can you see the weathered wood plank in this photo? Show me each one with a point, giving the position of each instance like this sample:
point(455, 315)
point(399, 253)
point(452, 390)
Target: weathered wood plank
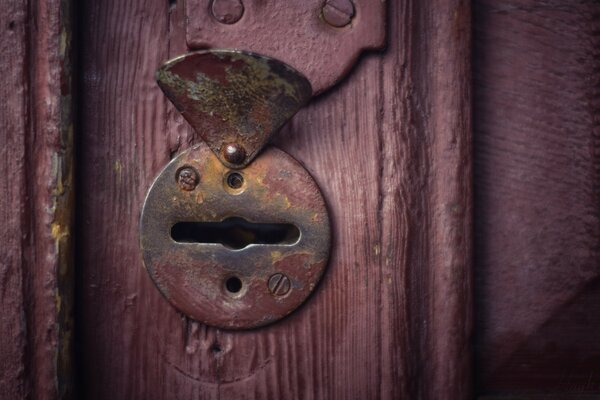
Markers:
point(390, 148)
point(36, 200)
point(13, 123)
point(537, 163)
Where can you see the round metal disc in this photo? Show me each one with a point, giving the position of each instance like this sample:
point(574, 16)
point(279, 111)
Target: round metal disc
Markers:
point(235, 248)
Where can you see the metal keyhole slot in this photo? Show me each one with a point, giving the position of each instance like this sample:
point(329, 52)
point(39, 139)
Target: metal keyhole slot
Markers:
point(235, 233)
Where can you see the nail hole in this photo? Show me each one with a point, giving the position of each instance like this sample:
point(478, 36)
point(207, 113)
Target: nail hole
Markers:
point(233, 284)
point(235, 180)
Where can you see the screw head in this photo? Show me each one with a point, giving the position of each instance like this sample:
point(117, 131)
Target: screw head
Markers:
point(187, 178)
point(279, 284)
point(338, 13)
point(227, 11)
point(234, 153)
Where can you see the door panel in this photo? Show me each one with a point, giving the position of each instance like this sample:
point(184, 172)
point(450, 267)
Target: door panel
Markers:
point(389, 147)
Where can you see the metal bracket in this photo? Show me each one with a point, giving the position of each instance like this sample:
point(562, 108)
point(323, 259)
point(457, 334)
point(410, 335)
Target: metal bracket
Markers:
point(321, 39)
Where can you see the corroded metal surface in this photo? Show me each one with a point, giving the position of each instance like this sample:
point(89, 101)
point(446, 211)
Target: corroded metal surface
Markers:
point(233, 98)
point(272, 279)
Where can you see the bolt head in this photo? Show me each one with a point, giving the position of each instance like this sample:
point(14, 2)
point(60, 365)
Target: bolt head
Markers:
point(187, 178)
point(234, 153)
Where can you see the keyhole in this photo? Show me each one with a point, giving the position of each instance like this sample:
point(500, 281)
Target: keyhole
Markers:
point(235, 233)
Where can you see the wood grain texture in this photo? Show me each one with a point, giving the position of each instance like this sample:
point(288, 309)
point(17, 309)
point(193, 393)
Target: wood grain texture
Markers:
point(537, 174)
point(13, 109)
point(36, 200)
point(390, 148)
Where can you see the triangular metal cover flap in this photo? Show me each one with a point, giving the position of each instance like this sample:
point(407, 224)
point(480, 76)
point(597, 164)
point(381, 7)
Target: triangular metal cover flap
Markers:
point(234, 98)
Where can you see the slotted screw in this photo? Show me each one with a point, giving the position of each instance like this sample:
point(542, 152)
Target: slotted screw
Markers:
point(338, 13)
point(279, 284)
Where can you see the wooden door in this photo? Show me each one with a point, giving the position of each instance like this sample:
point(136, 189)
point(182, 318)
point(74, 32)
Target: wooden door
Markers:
point(389, 148)
point(408, 308)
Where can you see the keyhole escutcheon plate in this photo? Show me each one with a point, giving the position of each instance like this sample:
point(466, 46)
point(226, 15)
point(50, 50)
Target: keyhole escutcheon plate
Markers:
point(231, 248)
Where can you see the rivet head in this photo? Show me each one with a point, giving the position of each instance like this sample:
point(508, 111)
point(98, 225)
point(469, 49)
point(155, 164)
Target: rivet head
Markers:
point(279, 284)
point(227, 11)
point(187, 178)
point(234, 153)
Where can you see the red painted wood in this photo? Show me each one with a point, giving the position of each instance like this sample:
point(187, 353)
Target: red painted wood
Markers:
point(36, 200)
point(390, 148)
point(13, 338)
point(537, 171)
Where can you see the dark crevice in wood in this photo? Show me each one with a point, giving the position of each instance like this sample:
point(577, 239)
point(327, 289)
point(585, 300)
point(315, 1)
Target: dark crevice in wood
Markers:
point(78, 12)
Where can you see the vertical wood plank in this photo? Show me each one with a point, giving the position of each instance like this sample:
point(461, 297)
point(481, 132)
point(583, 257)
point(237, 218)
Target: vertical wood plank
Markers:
point(50, 183)
point(537, 159)
point(36, 200)
point(390, 148)
point(133, 344)
point(13, 120)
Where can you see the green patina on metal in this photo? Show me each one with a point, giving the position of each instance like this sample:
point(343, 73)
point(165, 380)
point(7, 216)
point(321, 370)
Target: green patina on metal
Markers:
point(234, 97)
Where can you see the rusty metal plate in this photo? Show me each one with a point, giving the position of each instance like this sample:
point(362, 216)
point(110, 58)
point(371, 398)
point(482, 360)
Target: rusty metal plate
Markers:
point(235, 248)
point(235, 100)
point(320, 38)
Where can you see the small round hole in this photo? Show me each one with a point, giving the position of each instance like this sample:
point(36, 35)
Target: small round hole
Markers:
point(235, 180)
point(233, 284)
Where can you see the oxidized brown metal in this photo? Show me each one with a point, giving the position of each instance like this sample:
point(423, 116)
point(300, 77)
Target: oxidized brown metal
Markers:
point(321, 39)
point(233, 99)
point(249, 286)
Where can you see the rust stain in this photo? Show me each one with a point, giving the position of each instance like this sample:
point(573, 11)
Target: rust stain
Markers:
point(62, 211)
point(232, 97)
point(118, 170)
